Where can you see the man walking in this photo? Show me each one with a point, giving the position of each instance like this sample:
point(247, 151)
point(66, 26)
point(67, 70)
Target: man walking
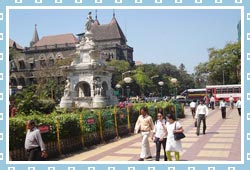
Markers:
point(201, 114)
point(145, 125)
point(212, 102)
point(238, 105)
point(222, 106)
point(231, 101)
point(34, 145)
point(192, 108)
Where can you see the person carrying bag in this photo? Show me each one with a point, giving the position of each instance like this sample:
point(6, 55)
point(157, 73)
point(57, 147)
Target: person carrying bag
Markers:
point(172, 127)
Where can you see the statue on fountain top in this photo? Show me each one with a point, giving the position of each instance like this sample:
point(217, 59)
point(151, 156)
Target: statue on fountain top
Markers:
point(89, 22)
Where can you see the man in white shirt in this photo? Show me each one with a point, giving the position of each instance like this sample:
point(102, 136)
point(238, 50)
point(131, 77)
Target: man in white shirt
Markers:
point(212, 102)
point(222, 106)
point(231, 101)
point(192, 108)
point(145, 125)
point(34, 144)
point(201, 114)
point(238, 105)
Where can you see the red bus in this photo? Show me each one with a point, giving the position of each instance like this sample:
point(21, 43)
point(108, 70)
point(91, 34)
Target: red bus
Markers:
point(224, 92)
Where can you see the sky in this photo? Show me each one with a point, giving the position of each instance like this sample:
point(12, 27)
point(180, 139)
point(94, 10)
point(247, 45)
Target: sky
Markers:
point(157, 36)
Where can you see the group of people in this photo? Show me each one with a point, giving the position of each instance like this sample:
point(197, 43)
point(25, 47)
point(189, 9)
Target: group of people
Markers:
point(222, 105)
point(200, 112)
point(163, 135)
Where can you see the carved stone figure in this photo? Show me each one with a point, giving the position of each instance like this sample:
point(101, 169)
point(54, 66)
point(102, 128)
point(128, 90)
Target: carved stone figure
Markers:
point(89, 22)
point(97, 86)
point(67, 89)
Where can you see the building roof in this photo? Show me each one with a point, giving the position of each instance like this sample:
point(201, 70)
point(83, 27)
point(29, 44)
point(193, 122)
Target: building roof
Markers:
point(35, 37)
point(108, 31)
point(138, 63)
point(14, 44)
point(57, 39)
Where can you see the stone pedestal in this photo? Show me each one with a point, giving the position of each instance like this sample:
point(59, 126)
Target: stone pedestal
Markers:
point(66, 102)
point(99, 102)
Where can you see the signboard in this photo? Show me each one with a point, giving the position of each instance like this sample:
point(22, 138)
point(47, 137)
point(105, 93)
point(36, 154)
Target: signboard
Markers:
point(44, 128)
point(90, 121)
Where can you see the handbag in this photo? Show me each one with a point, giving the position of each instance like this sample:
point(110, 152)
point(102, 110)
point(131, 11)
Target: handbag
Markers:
point(156, 140)
point(178, 136)
point(195, 123)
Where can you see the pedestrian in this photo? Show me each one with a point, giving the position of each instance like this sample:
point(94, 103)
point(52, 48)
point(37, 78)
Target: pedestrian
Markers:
point(193, 107)
point(231, 101)
point(201, 114)
point(145, 125)
point(206, 100)
point(212, 102)
point(223, 105)
point(238, 105)
point(159, 136)
point(173, 145)
point(34, 144)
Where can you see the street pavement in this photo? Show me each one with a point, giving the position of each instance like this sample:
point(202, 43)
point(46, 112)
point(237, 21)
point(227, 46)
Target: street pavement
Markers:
point(222, 142)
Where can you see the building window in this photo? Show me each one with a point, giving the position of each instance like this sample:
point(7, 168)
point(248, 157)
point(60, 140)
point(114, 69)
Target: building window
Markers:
point(21, 64)
point(51, 62)
point(32, 66)
point(13, 65)
point(42, 63)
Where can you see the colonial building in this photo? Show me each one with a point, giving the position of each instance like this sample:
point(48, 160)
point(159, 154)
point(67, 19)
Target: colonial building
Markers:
point(45, 56)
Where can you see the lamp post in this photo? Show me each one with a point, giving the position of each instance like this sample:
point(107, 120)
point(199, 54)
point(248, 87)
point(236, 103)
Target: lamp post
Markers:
point(224, 67)
point(123, 79)
point(127, 80)
point(174, 81)
point(118, 86)
point(154, 86)
point(161, 83)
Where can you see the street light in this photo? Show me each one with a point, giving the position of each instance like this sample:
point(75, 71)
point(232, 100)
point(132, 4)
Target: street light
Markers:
point(161, 83)
point(224, 68)
point(118, 86)
point(125, 73)
point(19, 87)
point(123, 79)
point(174, 81)
point(127, 80)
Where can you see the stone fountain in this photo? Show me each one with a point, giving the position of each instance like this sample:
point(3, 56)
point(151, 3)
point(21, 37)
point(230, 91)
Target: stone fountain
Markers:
point(88, 82)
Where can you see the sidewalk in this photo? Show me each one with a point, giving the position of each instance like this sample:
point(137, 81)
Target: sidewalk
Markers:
point(222, 142)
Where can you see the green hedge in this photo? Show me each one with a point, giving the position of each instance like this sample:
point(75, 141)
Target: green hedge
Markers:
point(70, 124)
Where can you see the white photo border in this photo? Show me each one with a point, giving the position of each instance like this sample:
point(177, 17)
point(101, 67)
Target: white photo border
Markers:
point(244, 5)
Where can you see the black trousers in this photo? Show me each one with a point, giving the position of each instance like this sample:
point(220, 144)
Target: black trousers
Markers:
point(239, 111)
point(201, 117)
point(223, 112)
point(212, 105)
point(193, 112)
point(34, 155)
point(158, 144)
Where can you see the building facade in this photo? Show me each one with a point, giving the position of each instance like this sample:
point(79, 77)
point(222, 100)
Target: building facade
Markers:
point(45, 56)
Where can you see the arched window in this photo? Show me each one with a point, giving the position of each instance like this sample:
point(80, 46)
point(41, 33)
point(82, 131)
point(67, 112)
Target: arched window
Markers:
point(104, 88)
point(42, 60)
point(51, 61)
point(83, 89)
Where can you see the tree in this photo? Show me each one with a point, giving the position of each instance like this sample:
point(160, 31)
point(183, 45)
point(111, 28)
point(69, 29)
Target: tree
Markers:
point(27, 102)
point(223, 66)
point(143, 81)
